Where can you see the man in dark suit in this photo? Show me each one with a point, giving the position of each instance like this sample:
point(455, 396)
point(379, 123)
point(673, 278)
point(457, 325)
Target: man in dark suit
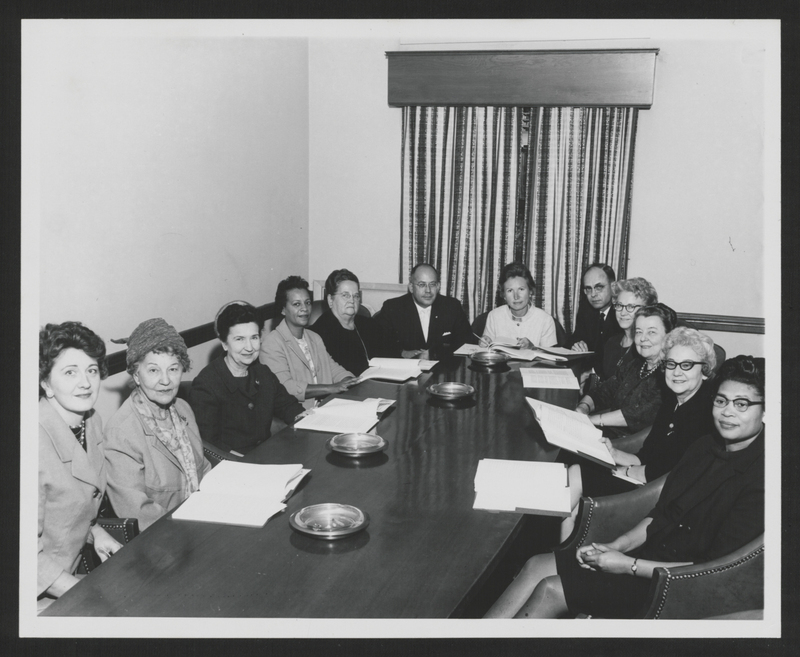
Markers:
point(424, 323)
point(596, 320)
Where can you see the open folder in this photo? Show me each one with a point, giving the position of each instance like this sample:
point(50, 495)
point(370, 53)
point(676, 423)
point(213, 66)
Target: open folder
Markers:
point(345, 415)
point(522, 487)
point(396, 369)
point(572, 431)
point(246, 494)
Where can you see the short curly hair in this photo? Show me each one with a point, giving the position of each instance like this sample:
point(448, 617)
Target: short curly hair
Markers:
point(55, 338)
point(639, 286)
point(744, 369)
point(701, 344)
point(289, 283)
point(513, 270)
point(236, 312)
point(339, 276)
point(668, 316)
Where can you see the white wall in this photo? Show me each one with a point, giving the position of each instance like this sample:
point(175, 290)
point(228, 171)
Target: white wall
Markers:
point(172, 174)
point(354, 180)
point(697, 229)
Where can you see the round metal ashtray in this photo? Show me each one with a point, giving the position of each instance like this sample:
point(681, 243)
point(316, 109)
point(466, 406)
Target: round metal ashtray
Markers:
point(451, 390)
point(356, 444)
point(490, 357)
point(329, 521)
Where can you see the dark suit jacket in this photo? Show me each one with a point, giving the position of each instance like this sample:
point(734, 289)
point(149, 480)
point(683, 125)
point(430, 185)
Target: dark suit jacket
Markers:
point(712, 503)
point(448, 330)
point(232, 417)
point(594, 331)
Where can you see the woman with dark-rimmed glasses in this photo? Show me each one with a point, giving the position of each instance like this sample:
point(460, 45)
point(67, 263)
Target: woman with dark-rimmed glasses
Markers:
point(712, 504)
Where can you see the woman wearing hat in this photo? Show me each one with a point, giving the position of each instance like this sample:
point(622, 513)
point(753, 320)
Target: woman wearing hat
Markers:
point(154, 455)
point(235, 397)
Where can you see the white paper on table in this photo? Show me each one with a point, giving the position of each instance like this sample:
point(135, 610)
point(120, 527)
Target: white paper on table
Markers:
point(522, 487)
point(228, 509)
point(467, 349)
point(246, 494)
point(527, 354)
point(571, 430)
point(563, 351)
point(548, 378)
point(250, 479)
point(342, 416)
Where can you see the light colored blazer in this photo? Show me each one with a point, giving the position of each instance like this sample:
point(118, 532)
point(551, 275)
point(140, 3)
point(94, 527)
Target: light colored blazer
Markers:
point(145, 480)
point(71, 487)
point(281, 353)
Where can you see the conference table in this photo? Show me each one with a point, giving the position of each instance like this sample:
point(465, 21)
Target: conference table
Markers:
point(425, 554)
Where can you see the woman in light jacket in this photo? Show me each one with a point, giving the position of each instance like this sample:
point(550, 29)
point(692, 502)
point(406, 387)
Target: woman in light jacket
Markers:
point(298, 356)
point(154, 453)
point(72, 474)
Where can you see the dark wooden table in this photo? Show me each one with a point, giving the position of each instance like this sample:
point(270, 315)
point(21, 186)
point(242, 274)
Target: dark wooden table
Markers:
point(425, 553)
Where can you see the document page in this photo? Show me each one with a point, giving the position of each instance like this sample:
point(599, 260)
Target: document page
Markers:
point(342, 416)
point(245, 494)
point(533, 377)
point(522, 487)
point(571, 430)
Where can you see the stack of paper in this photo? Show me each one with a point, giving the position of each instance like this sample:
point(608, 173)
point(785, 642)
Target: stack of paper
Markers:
point(522, 487)
point(246, 494)
point(396, 369)
point(571, 430)
point(548, 378)
point(345, 416)
point(566, 353)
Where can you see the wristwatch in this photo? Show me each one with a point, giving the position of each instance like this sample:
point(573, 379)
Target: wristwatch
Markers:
point(634, 567)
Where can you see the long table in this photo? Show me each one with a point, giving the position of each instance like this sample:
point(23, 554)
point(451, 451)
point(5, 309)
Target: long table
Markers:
point(426, 553)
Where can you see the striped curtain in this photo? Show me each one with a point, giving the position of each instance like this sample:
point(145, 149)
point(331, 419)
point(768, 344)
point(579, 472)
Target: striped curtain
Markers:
point(549, 187)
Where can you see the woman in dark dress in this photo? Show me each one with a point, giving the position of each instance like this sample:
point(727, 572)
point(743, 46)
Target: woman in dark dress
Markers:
point(712, 503)
point(684, 416)
point(629, 400)
point(234, 398)
point(351, 339)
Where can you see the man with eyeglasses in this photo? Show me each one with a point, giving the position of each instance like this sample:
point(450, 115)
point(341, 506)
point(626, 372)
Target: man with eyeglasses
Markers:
point(596, 320)
point(424, 323)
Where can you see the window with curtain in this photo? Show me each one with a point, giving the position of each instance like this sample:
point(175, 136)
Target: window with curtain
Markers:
point(546, 186)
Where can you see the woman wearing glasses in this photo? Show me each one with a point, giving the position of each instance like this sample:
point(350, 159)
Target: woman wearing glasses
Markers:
point(630, 399)
point(235, 397)
point(684, 416)
point(627, 297)
point(351, 339)
point(297, 356)
point(712, 503)
point(518, 318)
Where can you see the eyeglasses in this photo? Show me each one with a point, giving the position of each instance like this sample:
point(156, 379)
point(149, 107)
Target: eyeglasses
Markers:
point(630, 307)
point(685, 365)
point(427, 286)
point(347, 296)
point(740, 403)
point(588, 290)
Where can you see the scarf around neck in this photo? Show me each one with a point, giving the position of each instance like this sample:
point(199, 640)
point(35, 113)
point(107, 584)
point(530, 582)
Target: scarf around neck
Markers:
point(171, 431)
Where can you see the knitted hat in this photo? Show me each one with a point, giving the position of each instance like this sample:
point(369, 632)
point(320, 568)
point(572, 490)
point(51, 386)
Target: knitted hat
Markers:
point(154, 335)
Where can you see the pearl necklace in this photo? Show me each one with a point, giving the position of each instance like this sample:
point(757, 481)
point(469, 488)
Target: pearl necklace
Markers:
point(80, 433)
point(643, 374)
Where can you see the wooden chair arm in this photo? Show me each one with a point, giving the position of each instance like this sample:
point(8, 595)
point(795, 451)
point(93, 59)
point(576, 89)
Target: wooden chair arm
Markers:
point(602, 519)
point(728, 585)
